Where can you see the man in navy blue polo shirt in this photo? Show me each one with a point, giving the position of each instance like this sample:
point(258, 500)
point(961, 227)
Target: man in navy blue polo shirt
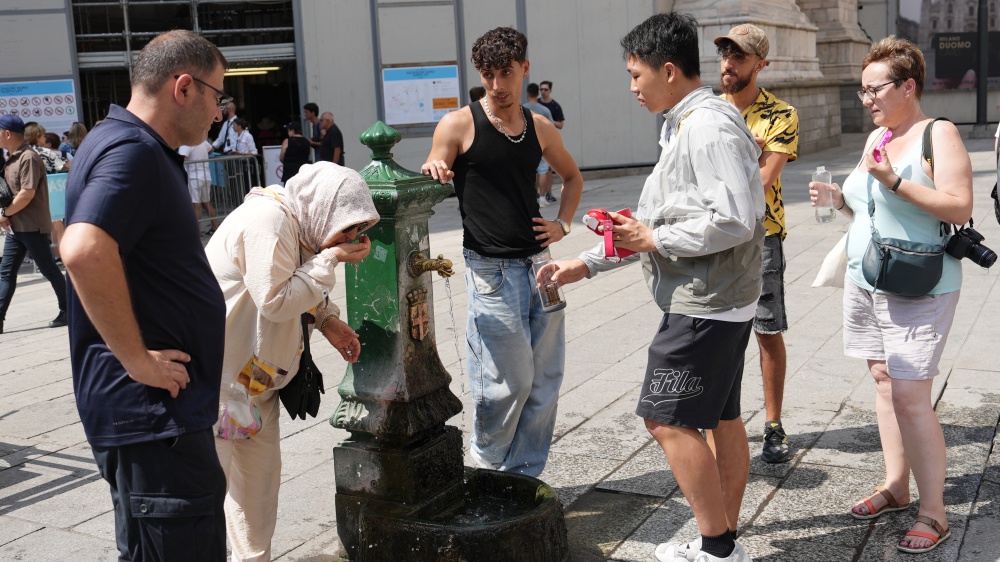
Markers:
point(146, 316)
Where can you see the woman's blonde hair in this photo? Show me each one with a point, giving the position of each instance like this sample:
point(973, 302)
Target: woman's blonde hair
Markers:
point(76, 133)
point(904, 59)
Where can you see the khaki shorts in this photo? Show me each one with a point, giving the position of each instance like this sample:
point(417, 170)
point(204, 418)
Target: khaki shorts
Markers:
point(908, 333)
point(200, 190)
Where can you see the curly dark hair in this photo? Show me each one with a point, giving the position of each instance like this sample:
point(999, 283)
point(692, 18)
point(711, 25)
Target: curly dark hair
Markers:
point(499, 48)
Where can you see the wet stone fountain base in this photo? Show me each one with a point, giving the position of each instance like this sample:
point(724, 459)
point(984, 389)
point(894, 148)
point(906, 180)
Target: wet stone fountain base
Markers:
point(489, 516)
point(415, 501)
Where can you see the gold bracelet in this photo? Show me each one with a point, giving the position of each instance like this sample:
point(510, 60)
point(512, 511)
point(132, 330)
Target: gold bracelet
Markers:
point(322, 325)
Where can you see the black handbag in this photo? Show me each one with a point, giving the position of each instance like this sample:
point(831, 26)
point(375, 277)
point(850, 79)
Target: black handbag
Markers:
point(901, 267)
point(301, 395)
point(996, 203)
point(996, 200)
point(6, 193)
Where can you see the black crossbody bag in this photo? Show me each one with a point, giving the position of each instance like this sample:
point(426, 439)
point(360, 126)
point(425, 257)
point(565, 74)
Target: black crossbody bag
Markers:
point(996, 200)
point(301, 395)
point(6, 193)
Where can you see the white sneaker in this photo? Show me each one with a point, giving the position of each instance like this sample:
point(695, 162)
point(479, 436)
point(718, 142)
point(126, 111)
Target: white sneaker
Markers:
point(542, 202)
point(738, 555)
point(481, 462)
point(667, 552)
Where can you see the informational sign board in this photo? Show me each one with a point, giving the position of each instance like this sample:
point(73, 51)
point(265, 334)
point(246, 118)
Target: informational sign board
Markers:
point(272, 166)
point(57, 195)
point(51, 103)
point(419, 94)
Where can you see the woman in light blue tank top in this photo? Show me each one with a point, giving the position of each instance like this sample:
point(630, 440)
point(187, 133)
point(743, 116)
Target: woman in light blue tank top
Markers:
point(903, 337)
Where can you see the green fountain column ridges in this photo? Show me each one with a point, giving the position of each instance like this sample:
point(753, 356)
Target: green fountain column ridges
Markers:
point(399, 388)
point(396, 398)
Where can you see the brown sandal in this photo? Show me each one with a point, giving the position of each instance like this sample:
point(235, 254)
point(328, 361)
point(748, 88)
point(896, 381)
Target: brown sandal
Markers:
point(942, 534)
point(872, 513)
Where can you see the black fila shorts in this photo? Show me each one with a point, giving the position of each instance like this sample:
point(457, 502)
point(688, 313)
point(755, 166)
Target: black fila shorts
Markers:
point(695, 372)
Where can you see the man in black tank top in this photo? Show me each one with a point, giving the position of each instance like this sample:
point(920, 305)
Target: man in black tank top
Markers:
point(516, 352)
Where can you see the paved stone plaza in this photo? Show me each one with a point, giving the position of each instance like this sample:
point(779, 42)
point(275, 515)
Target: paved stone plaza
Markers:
point(619, 495)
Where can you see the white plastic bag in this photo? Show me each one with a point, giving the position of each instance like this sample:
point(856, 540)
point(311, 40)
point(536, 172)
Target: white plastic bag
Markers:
point(834, 268)
point(239, 418)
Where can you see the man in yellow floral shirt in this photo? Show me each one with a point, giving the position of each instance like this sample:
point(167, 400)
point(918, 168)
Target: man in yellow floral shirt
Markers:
point(775, 126)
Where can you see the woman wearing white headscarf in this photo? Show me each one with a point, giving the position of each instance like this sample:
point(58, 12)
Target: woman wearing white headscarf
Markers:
point(274, 257)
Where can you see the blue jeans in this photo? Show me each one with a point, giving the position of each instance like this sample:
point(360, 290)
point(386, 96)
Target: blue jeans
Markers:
point(14, 249)
point(516, 357)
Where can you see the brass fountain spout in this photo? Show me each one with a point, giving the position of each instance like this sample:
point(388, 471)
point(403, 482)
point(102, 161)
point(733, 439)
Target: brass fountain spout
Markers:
point(418, 264)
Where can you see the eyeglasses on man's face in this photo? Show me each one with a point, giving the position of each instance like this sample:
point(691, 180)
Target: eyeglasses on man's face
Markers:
point(872, 91)
point(222, 101)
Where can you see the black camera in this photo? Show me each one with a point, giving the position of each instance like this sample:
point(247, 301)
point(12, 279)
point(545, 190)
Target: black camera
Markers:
point(966, 243)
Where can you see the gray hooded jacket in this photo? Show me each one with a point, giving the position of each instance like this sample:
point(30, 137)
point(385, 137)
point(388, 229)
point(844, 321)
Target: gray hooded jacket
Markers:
point(704, 201)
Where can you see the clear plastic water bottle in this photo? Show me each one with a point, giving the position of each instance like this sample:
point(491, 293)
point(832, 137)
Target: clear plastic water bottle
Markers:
point(548, 290)
point(825, 212)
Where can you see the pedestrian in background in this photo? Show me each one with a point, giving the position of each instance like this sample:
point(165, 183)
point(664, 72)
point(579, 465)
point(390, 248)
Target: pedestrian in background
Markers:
point(543, 180)
point(332, 145)
point(310, 112)
point(245, 143)
point(295, 151)
point(226, 141)
point(545, 91)
point(27, 220)
point(34, 135)
point(200, 181)
point(74, 136)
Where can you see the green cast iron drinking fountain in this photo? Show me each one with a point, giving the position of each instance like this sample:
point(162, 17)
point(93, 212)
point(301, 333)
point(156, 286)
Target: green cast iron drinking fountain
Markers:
point(402, 491)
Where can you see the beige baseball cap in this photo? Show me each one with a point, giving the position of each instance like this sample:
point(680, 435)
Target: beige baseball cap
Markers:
point(748, 38)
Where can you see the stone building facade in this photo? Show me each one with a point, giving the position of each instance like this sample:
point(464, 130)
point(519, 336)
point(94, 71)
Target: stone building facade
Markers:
point(797, 72)
point(335, 53)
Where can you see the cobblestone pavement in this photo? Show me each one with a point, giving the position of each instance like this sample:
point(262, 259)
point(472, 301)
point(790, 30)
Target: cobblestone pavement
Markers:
point(620, 497)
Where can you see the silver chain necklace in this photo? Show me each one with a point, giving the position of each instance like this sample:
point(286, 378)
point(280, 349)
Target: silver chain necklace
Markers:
point(486, 104)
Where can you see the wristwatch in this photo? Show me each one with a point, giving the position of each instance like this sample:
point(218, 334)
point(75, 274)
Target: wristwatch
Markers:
point(565, 225)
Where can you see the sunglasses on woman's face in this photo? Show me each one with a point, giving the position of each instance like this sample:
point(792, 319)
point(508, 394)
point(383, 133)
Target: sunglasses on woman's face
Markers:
point(359, 227)
point(355, 229)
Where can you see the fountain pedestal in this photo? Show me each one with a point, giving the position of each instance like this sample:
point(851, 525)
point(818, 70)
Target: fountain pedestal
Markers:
point(402, 491)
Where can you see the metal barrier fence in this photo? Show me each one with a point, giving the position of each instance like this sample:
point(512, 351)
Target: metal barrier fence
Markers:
point(228, 179)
